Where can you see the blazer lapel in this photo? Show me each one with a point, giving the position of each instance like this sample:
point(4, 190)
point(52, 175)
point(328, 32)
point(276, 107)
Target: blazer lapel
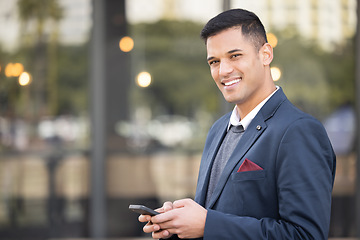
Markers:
point(206, 163)
point(251, 134)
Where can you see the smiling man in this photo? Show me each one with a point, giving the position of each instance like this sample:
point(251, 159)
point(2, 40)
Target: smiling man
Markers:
point(240, 68)
point(267, 169)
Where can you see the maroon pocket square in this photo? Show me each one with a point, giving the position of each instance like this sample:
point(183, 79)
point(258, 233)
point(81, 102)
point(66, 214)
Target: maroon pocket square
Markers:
point(248, 165)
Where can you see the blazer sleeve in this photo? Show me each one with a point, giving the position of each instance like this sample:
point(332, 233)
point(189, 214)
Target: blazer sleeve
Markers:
point(305, 170)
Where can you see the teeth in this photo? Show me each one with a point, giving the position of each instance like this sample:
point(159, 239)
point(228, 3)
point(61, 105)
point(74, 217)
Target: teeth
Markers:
point(232, 82)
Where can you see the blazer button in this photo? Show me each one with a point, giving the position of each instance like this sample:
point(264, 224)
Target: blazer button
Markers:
point(258, 127)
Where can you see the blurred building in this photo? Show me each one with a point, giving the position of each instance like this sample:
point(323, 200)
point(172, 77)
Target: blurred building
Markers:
point(328, 22)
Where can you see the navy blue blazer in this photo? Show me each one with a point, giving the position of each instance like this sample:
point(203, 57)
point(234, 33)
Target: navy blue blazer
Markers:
point(291, 197)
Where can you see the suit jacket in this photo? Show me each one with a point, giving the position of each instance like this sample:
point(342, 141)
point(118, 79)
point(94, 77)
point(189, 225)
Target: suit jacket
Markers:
point(291, 197)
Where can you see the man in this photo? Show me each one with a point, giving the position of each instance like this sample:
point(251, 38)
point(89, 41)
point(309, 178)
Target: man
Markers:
point(267, 169)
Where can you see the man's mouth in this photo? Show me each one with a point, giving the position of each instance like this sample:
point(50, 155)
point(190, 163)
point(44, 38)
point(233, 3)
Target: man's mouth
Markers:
point(232, 82)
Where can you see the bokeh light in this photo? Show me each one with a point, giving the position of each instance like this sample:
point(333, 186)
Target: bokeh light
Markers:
point(126, 44)
point(272, 39)
point(143, 79)
point(24, 79)
point(13, 69)
point(275, 73)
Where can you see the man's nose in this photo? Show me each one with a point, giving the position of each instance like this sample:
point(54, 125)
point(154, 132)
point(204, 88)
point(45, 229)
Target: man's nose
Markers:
point(225, 68)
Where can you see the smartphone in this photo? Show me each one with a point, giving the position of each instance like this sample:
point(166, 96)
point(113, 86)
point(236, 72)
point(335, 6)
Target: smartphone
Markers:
point(143, 210)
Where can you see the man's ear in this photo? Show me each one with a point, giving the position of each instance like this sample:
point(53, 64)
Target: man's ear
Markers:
point(267, 54)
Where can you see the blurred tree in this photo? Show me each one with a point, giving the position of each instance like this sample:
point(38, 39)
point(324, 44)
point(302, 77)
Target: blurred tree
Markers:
point(316, 80)
point(173, 53)
point(37, 16)
point(72, 91)
point(6, 85)
point(73, 65)
point(340, 72)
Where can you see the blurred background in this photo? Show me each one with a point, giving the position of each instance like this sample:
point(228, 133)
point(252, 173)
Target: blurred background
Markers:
point(106, 103)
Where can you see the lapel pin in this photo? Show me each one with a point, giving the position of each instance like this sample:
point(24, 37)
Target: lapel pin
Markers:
point(258, 127)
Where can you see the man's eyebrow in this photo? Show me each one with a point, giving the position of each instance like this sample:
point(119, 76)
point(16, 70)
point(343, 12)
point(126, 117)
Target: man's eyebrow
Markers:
point(235, 50)
point(210, 58)
point(229, 52)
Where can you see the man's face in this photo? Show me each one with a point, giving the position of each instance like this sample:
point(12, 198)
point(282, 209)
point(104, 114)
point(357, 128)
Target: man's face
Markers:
point(237, 67)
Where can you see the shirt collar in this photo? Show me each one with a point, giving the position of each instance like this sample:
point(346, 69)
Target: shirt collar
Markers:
point(235, 118)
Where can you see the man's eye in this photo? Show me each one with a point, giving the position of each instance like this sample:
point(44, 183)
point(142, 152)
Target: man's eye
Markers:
point(213, 62)
point(235, 55)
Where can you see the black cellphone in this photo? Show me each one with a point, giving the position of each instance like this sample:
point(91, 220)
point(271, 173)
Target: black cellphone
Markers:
point(143, 210)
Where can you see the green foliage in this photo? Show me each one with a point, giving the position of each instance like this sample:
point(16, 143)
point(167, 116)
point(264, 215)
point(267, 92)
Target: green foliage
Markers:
point(71, 89)
point(175, 56)
point(73, 79)
point(39, 9)
point(340, 70)
point(316, 80)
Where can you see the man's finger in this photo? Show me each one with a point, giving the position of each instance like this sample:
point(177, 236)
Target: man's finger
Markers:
point(161, 234)
point(150, 227)
point(167, 206)
point(144, 218)
point(180, 203)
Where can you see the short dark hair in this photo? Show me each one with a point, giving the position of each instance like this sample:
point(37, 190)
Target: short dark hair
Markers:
point(249, 23)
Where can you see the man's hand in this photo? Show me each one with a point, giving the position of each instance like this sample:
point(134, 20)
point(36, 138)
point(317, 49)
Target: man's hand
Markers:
point(187, 220)
point(155, 229)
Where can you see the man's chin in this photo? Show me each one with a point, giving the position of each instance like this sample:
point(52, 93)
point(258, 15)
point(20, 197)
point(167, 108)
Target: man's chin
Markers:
point(230, 99)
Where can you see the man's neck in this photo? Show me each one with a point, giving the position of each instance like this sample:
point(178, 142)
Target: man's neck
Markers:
point(246, 107)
